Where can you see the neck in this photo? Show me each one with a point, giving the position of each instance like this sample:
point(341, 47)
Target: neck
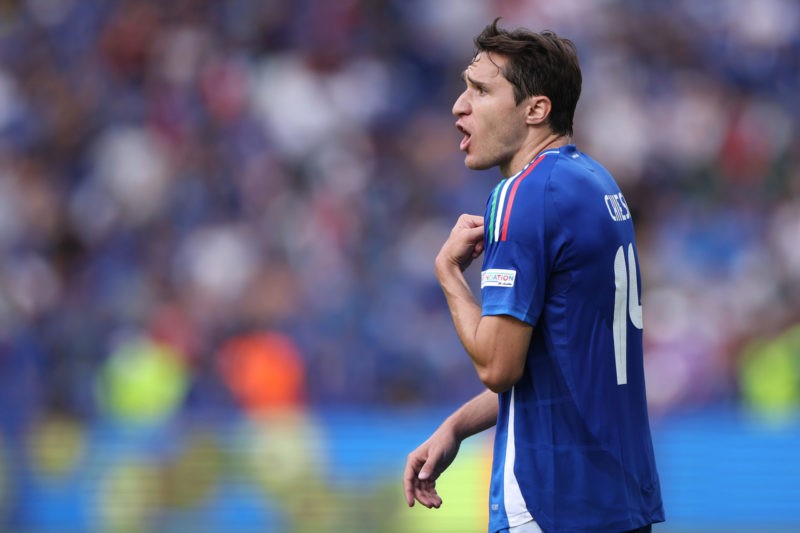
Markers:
point(530, 151)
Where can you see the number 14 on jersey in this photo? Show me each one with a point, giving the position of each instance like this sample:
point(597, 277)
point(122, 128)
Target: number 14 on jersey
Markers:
point(626, 302)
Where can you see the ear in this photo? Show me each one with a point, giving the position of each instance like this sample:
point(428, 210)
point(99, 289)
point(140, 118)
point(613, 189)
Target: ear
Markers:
point(537, 110)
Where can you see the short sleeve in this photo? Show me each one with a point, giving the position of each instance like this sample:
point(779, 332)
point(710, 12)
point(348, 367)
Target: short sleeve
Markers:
point(514, 273)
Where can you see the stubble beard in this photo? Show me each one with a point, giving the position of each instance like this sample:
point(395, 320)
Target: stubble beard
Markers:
point(484, 163)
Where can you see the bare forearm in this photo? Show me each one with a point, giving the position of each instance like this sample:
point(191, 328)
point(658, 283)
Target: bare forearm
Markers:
point(478, 414)
point(464, 309)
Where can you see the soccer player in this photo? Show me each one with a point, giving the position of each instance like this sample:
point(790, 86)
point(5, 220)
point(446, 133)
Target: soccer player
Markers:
point(557, 340)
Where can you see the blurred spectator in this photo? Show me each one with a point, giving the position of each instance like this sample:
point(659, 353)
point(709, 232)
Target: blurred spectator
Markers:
point(264, 372)
point(771, 375)
point(141, 382)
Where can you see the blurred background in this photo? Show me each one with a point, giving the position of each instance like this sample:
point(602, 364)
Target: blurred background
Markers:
point(217, 227)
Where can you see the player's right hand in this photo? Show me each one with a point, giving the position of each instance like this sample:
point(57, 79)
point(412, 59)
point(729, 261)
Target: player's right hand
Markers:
point(464, 244)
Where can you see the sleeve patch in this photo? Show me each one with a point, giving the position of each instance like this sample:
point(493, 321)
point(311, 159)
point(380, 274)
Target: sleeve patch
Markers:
point(498, 277)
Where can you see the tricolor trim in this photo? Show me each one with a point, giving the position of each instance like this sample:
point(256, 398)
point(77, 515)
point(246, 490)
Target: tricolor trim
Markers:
point(503, 200)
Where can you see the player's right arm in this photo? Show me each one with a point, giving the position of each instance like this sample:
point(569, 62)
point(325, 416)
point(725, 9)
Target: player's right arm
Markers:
point(432, 457)
point(497, 345)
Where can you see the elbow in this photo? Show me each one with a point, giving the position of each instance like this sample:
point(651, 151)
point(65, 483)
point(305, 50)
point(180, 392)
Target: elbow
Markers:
point(498, 387)
point(498, 381)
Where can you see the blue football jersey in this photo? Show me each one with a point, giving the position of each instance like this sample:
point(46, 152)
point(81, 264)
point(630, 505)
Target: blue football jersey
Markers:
point(573, 449)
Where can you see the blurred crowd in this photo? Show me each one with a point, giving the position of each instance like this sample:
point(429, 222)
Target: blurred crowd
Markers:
point(209, 207)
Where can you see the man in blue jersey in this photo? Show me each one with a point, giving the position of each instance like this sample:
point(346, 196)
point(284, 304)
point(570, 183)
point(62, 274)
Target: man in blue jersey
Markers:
point(557, 339)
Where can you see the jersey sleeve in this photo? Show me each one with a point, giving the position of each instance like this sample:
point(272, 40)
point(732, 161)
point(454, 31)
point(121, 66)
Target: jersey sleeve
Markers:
point(515, 266)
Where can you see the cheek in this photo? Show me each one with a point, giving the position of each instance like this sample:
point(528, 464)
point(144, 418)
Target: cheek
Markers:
point(503, 131)
point(499, 128)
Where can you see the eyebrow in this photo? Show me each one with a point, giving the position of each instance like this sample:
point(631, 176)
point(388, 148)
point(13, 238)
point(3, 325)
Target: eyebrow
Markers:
point(473, 82)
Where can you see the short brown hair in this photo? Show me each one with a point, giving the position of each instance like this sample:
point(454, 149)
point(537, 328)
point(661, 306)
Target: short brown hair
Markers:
point(538, 64)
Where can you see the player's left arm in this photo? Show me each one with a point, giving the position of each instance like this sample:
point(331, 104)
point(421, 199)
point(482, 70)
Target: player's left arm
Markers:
point(497, 345)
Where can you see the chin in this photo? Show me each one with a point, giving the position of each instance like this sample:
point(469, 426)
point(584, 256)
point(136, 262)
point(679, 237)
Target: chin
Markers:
point(474, 164)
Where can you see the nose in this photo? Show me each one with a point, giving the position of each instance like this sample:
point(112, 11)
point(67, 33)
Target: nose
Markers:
point(461, 105)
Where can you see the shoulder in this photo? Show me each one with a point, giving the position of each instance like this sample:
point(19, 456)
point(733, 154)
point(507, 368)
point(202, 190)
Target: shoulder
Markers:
point(532, 182)
point(559, 171)
point(553, 172)
point(516, 206)
point(579, 183)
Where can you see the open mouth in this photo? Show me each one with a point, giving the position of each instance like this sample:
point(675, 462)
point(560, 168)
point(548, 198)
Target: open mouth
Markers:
point(465, 140)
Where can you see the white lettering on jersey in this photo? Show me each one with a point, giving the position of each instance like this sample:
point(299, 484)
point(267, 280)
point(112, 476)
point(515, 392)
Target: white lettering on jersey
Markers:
point(617, 207)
